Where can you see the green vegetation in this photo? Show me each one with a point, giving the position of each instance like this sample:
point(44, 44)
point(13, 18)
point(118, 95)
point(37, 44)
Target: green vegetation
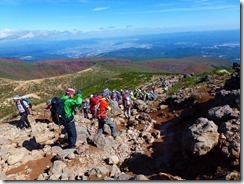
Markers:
point(118, 76)
point(197, 79)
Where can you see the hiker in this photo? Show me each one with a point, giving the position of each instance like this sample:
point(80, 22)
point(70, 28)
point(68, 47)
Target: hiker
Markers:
point(71, 100)
point(116, 96)
point(103, 117)
point(85, 109)
point(94, 100)
point(47, 109)
point(127, 104)
point(25, 98)
point(24, 111)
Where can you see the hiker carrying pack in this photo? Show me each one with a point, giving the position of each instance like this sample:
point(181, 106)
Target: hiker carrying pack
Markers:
point(57, 111)
point(103, 117)
point(127, 103)
point(27, 100)
point(23, 109)
point(85, 108)
point(94, 104)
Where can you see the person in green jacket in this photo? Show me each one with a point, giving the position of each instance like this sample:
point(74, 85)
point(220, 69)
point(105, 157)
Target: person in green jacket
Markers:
point(71, 100)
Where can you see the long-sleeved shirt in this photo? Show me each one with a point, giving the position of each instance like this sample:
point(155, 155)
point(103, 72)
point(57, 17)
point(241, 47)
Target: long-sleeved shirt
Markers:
point(70, 104)
point(20, 108)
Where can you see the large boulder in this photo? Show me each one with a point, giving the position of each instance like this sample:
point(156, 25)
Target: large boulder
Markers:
point(103, 142)
point(221, 114)
point(230, 141)
point(231, 98)
point(201, 137)
point(17, 156)
point(115, 109)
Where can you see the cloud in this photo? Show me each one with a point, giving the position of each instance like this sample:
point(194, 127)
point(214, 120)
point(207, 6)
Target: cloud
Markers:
point(129, 26)
point(101, 8)
point(6, 33)
point(227, 7)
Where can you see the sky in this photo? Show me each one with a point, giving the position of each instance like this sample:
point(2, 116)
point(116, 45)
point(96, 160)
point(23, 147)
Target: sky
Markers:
point(25, 19)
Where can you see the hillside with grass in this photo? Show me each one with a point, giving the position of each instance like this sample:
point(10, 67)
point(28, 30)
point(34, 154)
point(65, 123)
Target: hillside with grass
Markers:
point(45, 79)
point(20, 70)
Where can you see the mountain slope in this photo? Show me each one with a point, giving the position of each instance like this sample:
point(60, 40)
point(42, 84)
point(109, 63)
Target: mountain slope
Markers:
point(19, 70)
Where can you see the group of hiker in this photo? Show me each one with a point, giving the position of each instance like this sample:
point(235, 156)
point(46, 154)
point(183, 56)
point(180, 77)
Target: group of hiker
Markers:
point(64, 108)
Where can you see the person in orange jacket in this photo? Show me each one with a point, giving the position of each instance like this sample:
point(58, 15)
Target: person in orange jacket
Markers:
point(103, 117)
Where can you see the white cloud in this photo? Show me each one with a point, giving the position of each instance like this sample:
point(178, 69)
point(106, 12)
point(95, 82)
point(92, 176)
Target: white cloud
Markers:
point(230, 7)
point(101, 8)
point(6, 33)
point(28, 35)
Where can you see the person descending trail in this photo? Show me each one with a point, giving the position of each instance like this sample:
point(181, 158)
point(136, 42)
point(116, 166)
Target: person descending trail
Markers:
point(24, 111)
point(103, 117)
point(25, 98)
point(71, 100)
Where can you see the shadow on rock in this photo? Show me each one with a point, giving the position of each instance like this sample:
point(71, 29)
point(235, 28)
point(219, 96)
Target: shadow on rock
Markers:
point(42, 121)
point(140, 163)
point(31, 144)
point(14, 123)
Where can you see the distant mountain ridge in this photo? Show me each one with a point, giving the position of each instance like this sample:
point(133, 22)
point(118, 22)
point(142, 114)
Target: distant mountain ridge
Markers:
point(20, 70)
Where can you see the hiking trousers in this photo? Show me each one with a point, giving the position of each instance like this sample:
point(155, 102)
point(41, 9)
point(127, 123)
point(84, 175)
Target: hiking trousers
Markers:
point(72, 134)
point(23, 122)
point(127, 112)
point(109, 122)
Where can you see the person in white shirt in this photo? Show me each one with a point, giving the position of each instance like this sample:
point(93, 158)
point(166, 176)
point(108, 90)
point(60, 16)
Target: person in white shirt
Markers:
point(24, 111)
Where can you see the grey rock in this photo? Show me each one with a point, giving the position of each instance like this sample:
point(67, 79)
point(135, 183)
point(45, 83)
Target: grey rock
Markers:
point(115, 110)
point(201, 137)
point(103, 142)
point(56, 149)
point(17, 156)
point(112, 160)
point(68, 174)
point(98, 170)
point(221, 114)
point(63, 154)
point(82, 149)
point(57, 168)
point(141, 177)
point(122, 176)
point(115, 170)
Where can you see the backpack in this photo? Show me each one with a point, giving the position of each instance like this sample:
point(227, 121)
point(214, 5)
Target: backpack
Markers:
point(27, 100)
point(23, 105)
point(95, 100)
point(57, 111)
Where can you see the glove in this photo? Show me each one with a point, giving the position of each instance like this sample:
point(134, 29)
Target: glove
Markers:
point(79, 91)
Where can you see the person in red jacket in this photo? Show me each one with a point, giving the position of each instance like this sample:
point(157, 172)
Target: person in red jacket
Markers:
point(103, 117)
point(94, 102)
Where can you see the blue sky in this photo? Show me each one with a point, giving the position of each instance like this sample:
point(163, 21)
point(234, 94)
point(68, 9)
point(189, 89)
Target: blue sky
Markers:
point(116, 17)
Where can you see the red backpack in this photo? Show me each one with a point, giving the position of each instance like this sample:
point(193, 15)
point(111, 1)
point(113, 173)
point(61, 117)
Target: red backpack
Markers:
point(95, 100)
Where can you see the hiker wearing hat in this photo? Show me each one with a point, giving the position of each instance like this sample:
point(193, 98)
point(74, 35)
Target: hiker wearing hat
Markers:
point(23, 109)
point(71, 100)
point(103, 117)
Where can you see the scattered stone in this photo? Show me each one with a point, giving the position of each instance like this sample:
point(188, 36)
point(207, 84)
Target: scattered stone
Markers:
point(141, 177)
point(115, 170)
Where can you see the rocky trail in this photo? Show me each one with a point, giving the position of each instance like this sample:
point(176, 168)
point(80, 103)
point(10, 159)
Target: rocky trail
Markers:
point(193, 134)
